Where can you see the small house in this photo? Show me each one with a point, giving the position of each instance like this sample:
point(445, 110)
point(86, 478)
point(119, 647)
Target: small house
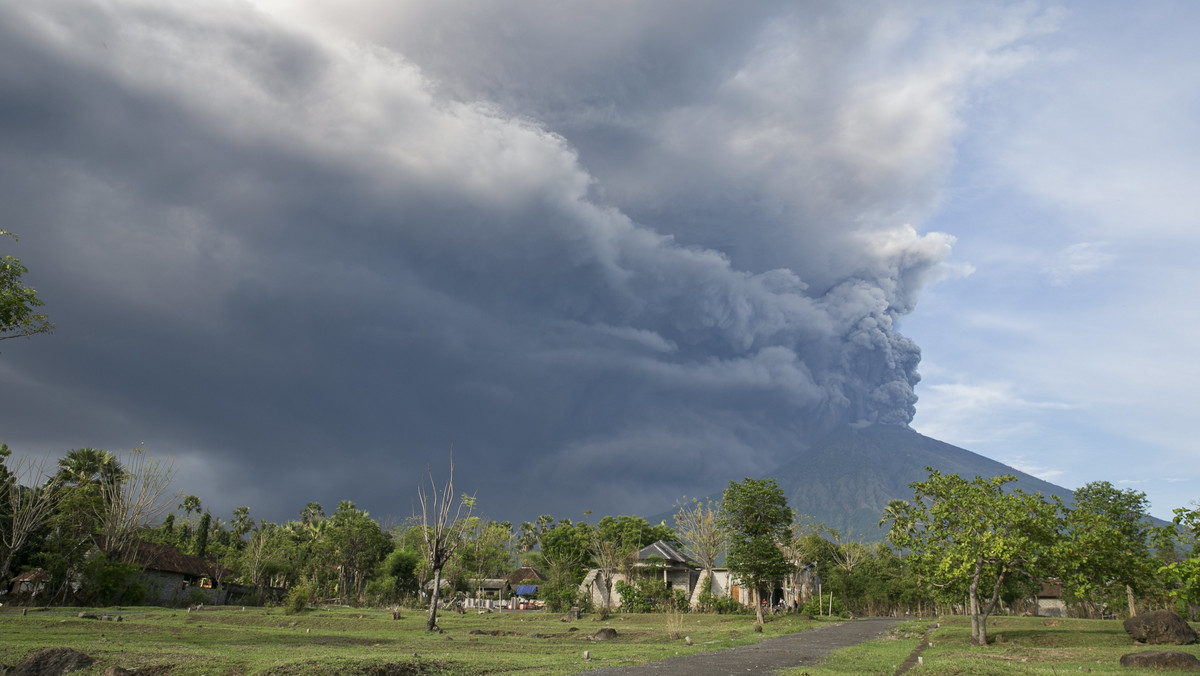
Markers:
point(175, 578)
point(661, 560)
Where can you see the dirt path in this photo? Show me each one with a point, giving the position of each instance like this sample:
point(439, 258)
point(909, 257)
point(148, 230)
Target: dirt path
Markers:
point(793, 650)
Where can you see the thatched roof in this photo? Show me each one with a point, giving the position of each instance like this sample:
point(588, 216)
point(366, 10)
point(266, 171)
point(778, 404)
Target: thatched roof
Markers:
point(167, 559)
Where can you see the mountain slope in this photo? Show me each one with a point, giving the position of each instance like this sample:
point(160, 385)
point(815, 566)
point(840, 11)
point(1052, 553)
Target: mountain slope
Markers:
point(846, 478)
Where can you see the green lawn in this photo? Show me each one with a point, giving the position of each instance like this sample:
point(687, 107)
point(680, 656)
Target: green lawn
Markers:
point(1020, 645)
point(228, 640)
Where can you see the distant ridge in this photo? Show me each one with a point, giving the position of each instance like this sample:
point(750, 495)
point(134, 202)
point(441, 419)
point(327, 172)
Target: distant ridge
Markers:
point(846, 478)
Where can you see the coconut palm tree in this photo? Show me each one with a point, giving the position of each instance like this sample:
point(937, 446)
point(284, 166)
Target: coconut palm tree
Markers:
point(84, 467)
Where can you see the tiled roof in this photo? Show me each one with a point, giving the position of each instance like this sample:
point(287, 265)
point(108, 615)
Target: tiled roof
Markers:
point(663, 551)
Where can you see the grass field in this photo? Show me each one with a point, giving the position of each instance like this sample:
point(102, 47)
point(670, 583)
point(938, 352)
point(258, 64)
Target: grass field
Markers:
point(229, 640)
point(1021, 645)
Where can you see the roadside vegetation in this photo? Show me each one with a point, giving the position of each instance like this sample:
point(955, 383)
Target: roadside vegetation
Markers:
point(1019, 645)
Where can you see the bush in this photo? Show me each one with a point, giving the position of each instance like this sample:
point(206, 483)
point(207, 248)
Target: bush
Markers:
point(818, 606)
point(107, 583)
point(297, 598)
point(558, 597)
point(645, 596)
point(710, 603)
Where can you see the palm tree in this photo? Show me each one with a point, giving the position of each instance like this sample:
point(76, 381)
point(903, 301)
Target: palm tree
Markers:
point(894, 512)
point(190, 504)
point(89, 466)
point(242, 522)
point(312, 513)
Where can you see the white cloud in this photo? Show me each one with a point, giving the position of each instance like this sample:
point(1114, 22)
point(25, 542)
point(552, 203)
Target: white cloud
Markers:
point(1079, 259)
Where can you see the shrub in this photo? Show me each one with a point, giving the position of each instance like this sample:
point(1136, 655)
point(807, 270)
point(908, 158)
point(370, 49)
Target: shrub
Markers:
point(558, 597)
point(710, 603)
point(818, 606)
point(645, 596)
point(297, 598)
point(107, 583)
point(680, 600)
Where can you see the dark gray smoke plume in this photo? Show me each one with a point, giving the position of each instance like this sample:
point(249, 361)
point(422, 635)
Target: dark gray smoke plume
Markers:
point(616, 254)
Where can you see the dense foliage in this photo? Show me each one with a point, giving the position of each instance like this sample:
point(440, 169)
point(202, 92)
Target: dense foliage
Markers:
point(958, 546)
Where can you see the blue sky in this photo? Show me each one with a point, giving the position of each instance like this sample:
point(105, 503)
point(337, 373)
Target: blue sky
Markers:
point(1066, 350)
point(628, 251)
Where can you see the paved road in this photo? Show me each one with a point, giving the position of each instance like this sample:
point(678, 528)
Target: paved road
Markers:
point(793, 650)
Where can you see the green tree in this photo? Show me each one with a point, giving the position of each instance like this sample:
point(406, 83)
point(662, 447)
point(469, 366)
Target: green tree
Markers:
point(19, 315)
point(189, 505)
point(87, 478)
point(756, 517)
point(353, 544)
point(565, 556)
point(242, 522)
point(634, 531)
point(971, 537)
point(485, 553)
point(396, 578)
point(200, 539)
point(1106, 551)
point(312, 513)
point(89, 467)
point(1182, 571)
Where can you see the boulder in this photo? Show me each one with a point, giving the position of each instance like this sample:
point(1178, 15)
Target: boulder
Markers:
point(52, 662)
point(1161, 659)
point(605, 634)
point(1160, 627)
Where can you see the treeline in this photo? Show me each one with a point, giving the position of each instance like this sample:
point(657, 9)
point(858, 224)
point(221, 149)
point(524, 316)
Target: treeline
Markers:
point(957, 546)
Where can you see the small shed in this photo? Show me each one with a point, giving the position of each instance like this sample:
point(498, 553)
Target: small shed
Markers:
point(31, 582)
point(491, 588)
point(1049, 602)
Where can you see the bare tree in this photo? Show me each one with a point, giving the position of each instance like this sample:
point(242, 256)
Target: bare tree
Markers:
point(442, 534)
point(137, 500)
point(700, 532)
point(849, 554)
point(609, 555)
point(256, 556)
point(27, 500)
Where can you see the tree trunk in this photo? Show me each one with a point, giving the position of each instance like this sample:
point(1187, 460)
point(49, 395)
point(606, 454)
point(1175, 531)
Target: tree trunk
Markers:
point(978, 621)
point(431, 623)
point(8, 557)
point(759, 607)
point(1129, 598)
